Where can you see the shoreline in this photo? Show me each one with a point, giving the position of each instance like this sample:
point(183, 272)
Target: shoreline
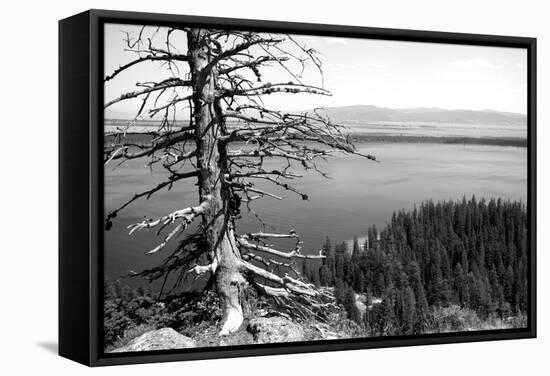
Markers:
point(362, 138)
point(466, 140)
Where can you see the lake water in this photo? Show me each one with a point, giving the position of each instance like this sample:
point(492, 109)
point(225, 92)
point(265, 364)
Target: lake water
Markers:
point(360, 193)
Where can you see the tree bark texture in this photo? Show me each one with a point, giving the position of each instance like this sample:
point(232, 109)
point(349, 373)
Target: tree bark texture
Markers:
point(223, 254)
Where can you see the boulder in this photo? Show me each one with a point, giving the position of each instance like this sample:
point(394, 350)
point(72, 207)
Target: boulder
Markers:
point(161, 339)
point(274, 330)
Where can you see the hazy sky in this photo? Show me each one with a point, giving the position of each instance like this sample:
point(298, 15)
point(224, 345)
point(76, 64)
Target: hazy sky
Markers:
point(358, 71)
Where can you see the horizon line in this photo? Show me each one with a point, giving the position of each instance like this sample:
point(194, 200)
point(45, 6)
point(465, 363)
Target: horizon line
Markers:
point(362, 105)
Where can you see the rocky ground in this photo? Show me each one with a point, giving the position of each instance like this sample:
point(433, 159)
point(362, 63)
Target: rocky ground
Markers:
point(259, 330)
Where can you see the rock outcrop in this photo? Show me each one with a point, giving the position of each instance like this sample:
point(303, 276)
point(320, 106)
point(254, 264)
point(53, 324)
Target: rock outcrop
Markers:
point(161, 339)
point(275, 330)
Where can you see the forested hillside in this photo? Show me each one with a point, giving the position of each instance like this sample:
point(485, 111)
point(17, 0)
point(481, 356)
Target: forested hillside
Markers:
point(466, 255)
point(442, 267)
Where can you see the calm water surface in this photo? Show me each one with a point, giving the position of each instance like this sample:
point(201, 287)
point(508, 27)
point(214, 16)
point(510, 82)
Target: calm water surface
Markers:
point(360, 193)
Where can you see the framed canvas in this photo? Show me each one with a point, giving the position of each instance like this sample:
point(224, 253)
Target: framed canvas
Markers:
point(235, 187)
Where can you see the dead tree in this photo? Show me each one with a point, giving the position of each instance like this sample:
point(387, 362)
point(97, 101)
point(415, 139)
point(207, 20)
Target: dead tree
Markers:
point(224, 147)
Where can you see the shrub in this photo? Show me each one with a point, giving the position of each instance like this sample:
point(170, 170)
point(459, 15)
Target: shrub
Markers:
point(453, 319)
point(128, 312)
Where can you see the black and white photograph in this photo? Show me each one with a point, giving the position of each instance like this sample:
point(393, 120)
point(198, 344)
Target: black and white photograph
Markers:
point(267, 188)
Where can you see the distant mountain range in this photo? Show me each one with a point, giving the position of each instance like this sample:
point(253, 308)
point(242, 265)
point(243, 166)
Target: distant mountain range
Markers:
point(371, 114)
point(365, 114)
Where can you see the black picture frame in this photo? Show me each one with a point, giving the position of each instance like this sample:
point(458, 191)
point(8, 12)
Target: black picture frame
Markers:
point(81, 186)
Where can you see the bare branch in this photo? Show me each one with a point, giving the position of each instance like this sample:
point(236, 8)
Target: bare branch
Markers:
point(166, 84)
point(289, 283)
point(149, 193)
point(248, 187)
point(163, 142)
point(250, 65)
point(188, 213)
point(264, 235)
point(269, 88)
point(266, 153)
point(167, 57)
point(241, 47)
point(288, 255)
point(273, 291)
point(269, 262)
point(201, 269)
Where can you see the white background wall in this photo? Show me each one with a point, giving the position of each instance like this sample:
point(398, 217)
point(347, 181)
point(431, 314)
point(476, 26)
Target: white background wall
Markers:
point(28, 208)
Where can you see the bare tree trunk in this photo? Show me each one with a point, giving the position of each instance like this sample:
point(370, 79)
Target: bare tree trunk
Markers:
point(224, 256)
